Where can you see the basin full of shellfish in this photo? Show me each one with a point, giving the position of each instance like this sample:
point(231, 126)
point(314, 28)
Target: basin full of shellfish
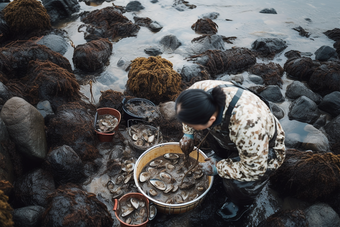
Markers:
point(168, 193)
point(106, 123)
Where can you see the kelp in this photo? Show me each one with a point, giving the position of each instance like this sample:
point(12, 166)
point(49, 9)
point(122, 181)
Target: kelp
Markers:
point(333, 34)
point(307, 176)
point(5, 211)
point(271, 73)
point(23, 16)
point(112, 99)
point(153, 78)
point(205, 26)
point(299, 68)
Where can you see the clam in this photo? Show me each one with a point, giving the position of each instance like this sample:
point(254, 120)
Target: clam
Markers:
point(134, 202)
point(139, 142)
point(169, 188)
point(144, 176)
point(127, 210)
point(171, 156)
point(165, 177)
point(153, 192)
point(175, 188)
point(152, 171)
point(119, 179)
point(128, 167)
point(170, 201)
point(186, 185)
point(169, 166)
point(128, 221)
point(184, 195)
point(151, 138)
point(198, 175)
point(152, 212)
point(178, 198)
point(127, 178)
point(158, 184)
point(200, 188)
point(134, 137)
point(141, 203)
point(156, 163)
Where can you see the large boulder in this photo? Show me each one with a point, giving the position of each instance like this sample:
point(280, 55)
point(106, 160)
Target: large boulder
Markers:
point(55, 42)
point(331, 103)
point(170, 42)
point(304, 109)
point(205, 26)
point(324, 53)
point(271, 73)
point(297, 89)
point(299, 68)
point(315, 140)
point(29, 216)
point(268, 47)
point(322, 214)
point(207, 42)
point(60, 9)
point(273, 93)
point(332, 129)
point(25, 126)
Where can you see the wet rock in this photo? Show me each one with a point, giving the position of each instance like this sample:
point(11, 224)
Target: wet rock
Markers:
point(299, 68)
point(324, 53)
point(302, 32)
point(84, 208)
point(60, 9)
point(299, 176)
point(25, 126)
point(108, 23)
point(295, 218)
point(293, 54)
point(134, 6)
point(304, 109)
point(273, 94)
point(29, 216)
point(331, 103)
point(269, 11)
point(170, 42)
point(154, 26)
point(182, 5)
point(231, 61)
point(336, 45)
point(34, 187)
point(332, 129)
point(271, 72)
point(65, 165)
point(56, 43)
point(277, 111)
point(154, 1)
point(205, 26)
point(207, 42)
point(44, 108)
point(322, 214)
point(4, 92)
point(192, 72)
point(321, 121)
point(325, 78)
point(292, 140)
point(315, 140)
point(72, 125)
point(167, 109)
point(153, 51)
point(256, 79)
point(297, 89)
point(15, 65)
point(212, 16)
point(268, 47)
point(93, 55)
point(333, 34)
point(124, 63)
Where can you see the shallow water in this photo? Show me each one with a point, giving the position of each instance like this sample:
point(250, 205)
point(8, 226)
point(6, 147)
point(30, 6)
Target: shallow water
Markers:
point(247, 24)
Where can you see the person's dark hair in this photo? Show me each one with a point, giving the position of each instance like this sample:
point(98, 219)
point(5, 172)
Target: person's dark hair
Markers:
point(197, 106)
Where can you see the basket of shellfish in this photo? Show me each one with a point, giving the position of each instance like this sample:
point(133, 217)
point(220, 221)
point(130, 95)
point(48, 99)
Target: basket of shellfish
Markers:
point(174, 186)
point(106, 123)
point(142, 136)
point(134, 209)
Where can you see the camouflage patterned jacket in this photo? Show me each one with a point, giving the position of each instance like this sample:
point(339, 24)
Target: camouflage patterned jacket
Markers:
point(251, 127)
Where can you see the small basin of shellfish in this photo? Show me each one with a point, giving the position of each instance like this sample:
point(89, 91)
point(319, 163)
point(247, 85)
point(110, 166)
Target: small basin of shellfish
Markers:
point(144, 136)
point(106, 123)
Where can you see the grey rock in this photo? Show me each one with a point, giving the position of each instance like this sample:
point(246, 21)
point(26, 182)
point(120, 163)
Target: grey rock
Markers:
point(4, 92)
point(331, 103)
point(167, 110)
point(134, 6)
point(170, 42)
point(322, 214)
point(304, 109)
point(273, 94)
point(321, 121)
point(55, 42)
point(277, 111)
point(268, 46)
point(297, 89)
point(153, 51)
point(45, 108)
point(324, 53)
point(60, 9)
point(190, 71)
point(154, 26)
point(315, 140)
point(255, 79)
point(293, 140)
point(25, 126)
point(269, 11)
point(212, 16)
point(29, 216)
point(208, 42)
point(332, 129)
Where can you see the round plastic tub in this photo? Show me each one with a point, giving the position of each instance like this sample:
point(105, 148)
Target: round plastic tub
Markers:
point(129, 115)
point(104, 136)
point(159, 150)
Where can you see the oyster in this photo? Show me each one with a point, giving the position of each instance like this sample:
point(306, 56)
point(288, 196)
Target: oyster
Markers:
point(175, 188)
point(128, 167)
point(126, 211)
point(110, 185)
point(198, 174)
point(165, 177)
point(153, 192)
point(170, 201)
point(158, 184)
point(152, 212)
point(128, 221)
point(119, 179)
point(134, 202)
point(178, 198)
point(200, 188)
point(169, 188)
point(171, 156)
point(169, 166)
point(156, 163)
point(144, 176)
point(152, 171)
point(127, 178)
point(141, 203)
point(184, 195)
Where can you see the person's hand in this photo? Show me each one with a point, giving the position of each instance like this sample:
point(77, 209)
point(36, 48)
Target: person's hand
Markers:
point(208, 167)
point(187, 143)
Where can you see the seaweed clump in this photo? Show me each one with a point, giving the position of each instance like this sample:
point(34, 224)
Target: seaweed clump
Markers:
point(299, 68)
point(307, 176)
point(205, 26)
point(107, 23)
point(154, 78)
point(24, 16)
point(112, 99)
point(271, 73)
point(5, 211)
point(71, 206)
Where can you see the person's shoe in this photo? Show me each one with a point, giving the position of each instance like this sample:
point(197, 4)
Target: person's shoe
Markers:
point(231, 212)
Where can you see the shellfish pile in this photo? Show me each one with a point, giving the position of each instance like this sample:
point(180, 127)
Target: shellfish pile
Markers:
point(133, 211)
point(162, 179)
point(143, 110)
point(106, 123)
point(144, 135)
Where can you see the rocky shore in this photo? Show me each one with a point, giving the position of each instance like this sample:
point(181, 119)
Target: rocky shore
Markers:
point(53, 168)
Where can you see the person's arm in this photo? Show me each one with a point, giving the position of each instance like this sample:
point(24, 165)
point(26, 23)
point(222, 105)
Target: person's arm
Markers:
point(252, 143)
